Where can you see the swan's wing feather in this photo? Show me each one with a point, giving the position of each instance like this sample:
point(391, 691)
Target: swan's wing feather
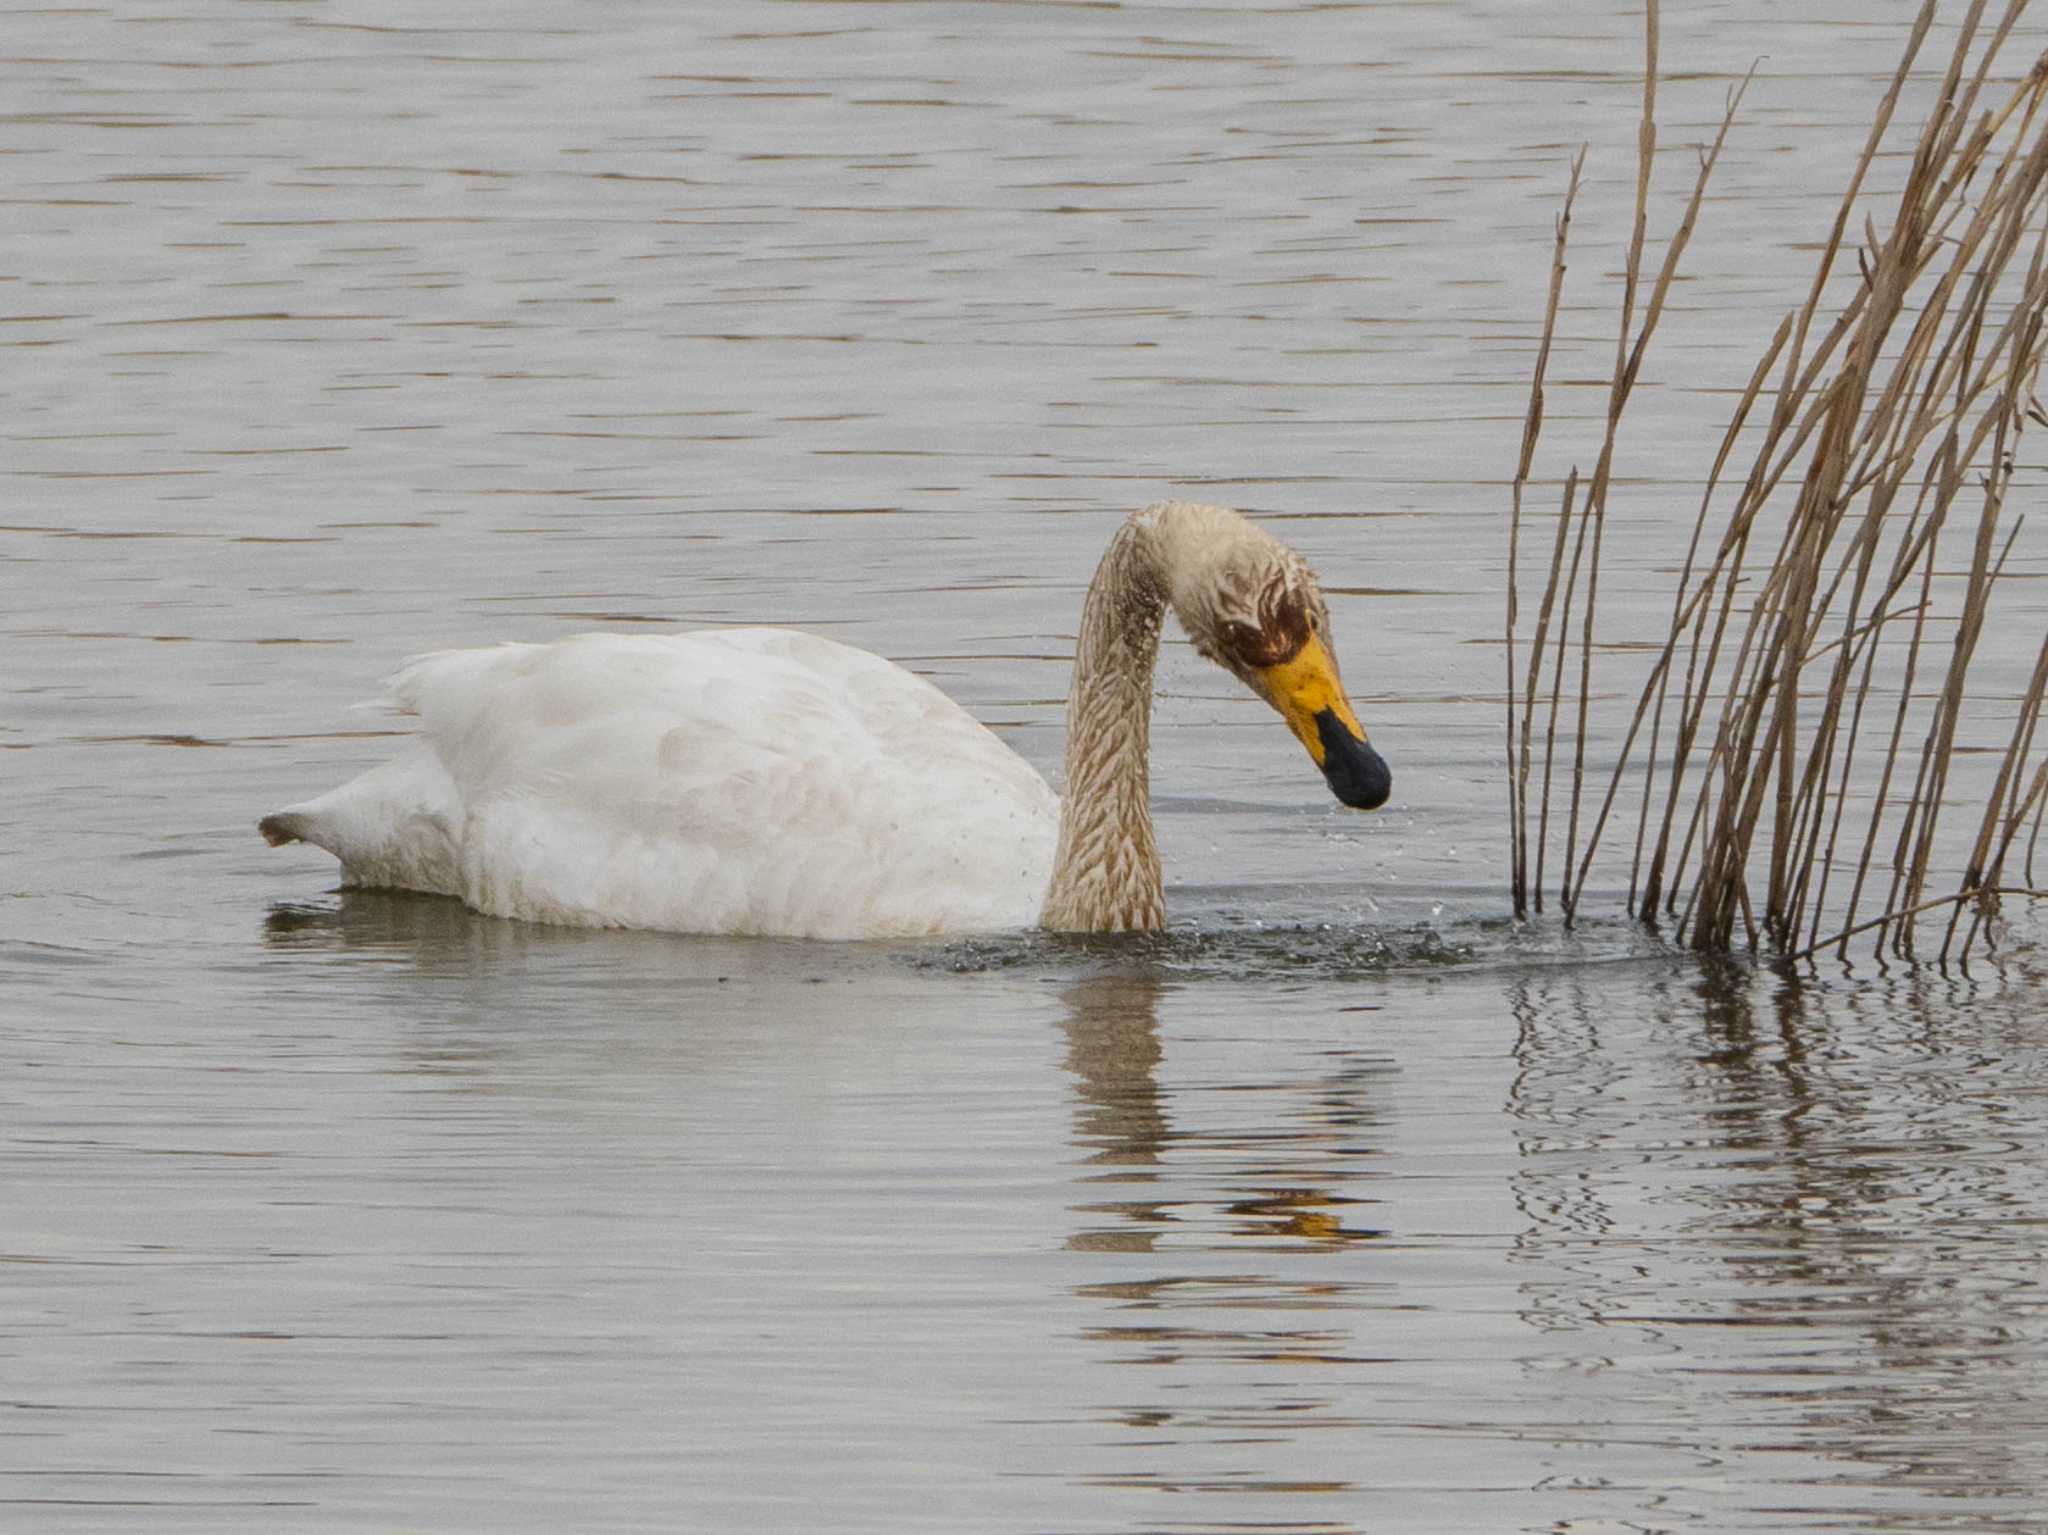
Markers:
point(728, 781)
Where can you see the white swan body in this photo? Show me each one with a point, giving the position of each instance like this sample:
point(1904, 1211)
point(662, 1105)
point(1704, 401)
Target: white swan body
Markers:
point(722, 781)
point(766, 781)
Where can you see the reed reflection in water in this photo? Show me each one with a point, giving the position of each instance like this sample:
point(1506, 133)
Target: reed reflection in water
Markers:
point(1774, 1221)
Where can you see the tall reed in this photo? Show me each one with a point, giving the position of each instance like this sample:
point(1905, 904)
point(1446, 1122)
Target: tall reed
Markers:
point(1797, 763)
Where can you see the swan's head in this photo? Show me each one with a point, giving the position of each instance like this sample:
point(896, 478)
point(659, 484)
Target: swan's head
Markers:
point(1251, 604)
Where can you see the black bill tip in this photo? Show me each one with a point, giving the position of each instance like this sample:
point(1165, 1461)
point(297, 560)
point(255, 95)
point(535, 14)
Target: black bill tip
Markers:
point(1358, 775)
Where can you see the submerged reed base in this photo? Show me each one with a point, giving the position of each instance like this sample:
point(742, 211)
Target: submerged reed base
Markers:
point(1790, 752)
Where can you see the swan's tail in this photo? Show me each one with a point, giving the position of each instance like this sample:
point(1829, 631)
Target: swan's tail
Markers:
point(397, 826)
point(287, 826)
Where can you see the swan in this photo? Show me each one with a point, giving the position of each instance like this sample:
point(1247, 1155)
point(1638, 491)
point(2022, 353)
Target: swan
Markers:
point(768, 781)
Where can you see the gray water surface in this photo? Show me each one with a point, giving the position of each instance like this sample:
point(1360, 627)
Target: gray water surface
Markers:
point(339, 331)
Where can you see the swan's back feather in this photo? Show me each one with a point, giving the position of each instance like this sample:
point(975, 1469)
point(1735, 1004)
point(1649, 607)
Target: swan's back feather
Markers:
point(727, 781)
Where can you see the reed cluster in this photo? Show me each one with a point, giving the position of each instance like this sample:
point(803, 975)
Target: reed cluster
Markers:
point(1789, 756)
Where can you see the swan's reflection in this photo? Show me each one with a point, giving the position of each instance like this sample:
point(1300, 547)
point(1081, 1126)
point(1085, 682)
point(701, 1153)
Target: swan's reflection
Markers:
point(435, 935)
point(571, 1011)
point(1112, 1028)
point(1219, 1257)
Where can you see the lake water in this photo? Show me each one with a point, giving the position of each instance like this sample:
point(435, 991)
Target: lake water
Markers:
point(339, 331)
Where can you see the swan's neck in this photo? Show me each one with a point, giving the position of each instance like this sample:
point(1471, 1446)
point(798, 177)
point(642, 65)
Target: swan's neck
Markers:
point(1106, 874)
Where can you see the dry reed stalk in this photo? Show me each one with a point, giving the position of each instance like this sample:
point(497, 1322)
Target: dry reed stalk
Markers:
point(1564, 522)
point(1725, 574)
point(2034, 839)
point(1660, 675)
point(1801, 802)
point(2002, 808)
point(1837, 939)
point(1795, 386)
point(1924, 370)
point(1532, 427)
point(1631, 345)
point(1627, 363)
point(2019, 352)
point(1868, 636)
point(1945, 472)
point(1624, 383)
point(1916, 835)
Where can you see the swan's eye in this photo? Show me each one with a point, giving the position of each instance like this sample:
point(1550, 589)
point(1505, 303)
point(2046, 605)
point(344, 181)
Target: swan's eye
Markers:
point(1265, 644)
point(1242, 643)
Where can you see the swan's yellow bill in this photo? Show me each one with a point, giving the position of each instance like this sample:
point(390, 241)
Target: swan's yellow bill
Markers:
point(1303, 688)
point(1309, 697)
